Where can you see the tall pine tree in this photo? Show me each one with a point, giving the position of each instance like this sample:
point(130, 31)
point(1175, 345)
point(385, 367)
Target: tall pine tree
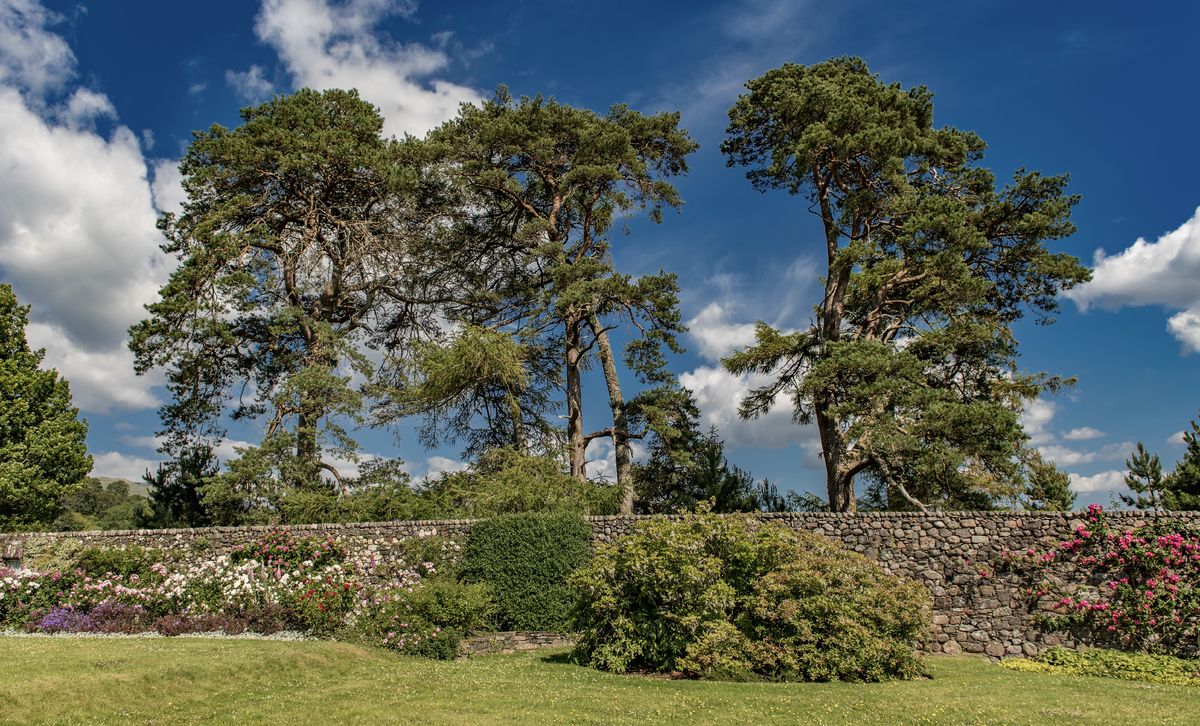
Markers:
point(909, 369)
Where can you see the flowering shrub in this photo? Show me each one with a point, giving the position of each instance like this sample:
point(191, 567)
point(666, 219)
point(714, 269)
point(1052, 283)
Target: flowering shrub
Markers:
point(277, 582)
point(412, 603)
point(1140, 588)
point(429, 620)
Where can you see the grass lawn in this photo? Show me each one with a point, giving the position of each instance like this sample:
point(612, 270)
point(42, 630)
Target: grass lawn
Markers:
point(186, 680)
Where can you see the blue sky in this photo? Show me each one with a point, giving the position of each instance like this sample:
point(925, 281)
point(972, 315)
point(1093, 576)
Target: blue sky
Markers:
point(97, 101)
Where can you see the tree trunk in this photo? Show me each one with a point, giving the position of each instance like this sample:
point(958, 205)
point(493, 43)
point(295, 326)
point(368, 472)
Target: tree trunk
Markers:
point(518, 424)
point(575, 440)
point(839, 481)
point(620, 430)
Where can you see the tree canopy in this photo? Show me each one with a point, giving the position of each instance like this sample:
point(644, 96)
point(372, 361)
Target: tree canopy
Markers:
point(542, 185)
point(909, 367)
point(300, 247)
point(43, 450)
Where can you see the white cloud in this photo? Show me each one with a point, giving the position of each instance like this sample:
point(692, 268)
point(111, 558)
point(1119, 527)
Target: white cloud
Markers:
point(122, 466)
point(1065, 456)
point(1164, 272)
point(1084, 433)
point(167, 186)
point(1176, 439)
point(84, 107)
point(250, 85)
point(715, 336)
point(1185, 326)
point(31, 57)
point(77, 224)
point(435, 465)
point(338, 46)
point(601, 458)
point(1104, 481)
point(1035, 417)
point(718, 394)
point(101, 378)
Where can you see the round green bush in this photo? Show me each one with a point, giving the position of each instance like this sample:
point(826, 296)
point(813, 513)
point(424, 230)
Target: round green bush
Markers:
point(729, 597)
point(526, 559)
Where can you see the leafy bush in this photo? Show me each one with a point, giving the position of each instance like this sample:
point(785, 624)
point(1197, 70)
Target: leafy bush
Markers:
point(728, 597)
point(132, 560)
point(504, 481)
point(430, 619)
point(526, 559)
point(1134, 589)
point(1112, 664)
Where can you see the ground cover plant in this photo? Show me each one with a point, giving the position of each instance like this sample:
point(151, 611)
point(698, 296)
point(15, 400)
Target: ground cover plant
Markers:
point(278, 582)
point(719, 597)
point(1131, 588)
point(1112, 664)
point(189, 680)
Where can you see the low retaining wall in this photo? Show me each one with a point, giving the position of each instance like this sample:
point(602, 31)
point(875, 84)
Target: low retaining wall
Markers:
point(512, 642)
point(942, 550)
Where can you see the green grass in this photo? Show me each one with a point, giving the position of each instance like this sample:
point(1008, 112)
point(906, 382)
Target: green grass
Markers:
point(181, 680)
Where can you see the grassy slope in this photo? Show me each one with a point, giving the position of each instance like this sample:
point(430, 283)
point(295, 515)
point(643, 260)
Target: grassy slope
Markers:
point(219, 681)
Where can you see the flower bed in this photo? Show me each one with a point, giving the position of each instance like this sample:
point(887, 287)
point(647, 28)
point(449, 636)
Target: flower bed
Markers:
point(280, 582)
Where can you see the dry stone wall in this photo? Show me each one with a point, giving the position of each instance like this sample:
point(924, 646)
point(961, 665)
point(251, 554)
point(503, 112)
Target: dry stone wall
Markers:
point(944, 551)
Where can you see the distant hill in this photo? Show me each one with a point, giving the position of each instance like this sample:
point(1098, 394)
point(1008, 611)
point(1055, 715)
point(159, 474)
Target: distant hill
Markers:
point(135, 487)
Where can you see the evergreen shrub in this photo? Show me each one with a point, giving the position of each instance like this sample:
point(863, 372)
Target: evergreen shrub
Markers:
point(526, 560)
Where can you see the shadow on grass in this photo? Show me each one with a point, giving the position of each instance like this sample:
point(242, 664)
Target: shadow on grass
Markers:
point(562, 658)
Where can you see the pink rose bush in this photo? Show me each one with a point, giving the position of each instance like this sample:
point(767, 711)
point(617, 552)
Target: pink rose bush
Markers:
point(1139, 589)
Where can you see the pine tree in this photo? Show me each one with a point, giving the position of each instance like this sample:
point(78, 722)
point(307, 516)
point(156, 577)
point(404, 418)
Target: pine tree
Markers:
point(1183, 485)
point(1144, 479)
point(43, 452)
point(909, 368)
point(1047, 488)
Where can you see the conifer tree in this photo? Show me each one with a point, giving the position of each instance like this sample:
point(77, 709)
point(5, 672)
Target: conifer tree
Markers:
point(909, 368)
point(1145, 479)
point(43, 450)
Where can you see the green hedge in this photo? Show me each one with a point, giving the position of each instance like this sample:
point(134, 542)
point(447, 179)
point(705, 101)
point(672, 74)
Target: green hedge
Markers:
point(526, 560)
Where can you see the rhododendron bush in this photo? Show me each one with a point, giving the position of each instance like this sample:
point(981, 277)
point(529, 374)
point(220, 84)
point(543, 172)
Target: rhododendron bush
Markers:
point(278, 582)
point(1134, 588)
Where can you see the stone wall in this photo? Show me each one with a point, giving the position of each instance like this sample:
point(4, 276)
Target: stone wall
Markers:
point(944, 551)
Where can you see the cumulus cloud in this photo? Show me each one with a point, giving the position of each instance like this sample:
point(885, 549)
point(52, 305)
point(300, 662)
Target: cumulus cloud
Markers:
point(250, 85)
point(718, 395)
point(32, 57)
point(1164, 272)
point(325, 45)
point(715, 336)
point(601, 458)
point(77, 219)
point(435, 465)
point(122, 466)
point(1104, 481)
point(1176, 439)
point(717, 332)
point(1035, 418)
point(1084, 433)
point(1066, 456)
